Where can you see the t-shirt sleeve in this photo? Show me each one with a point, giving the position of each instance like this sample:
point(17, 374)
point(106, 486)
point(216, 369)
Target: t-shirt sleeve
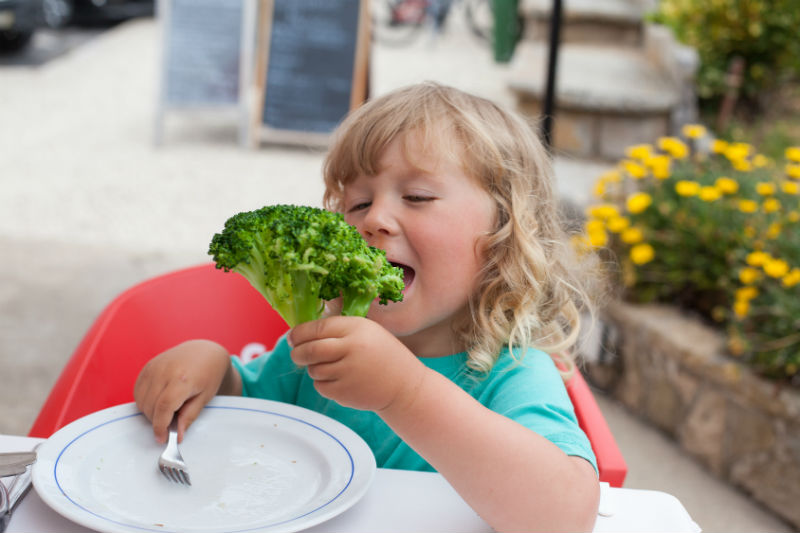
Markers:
point(533, 394)
point(272, 375)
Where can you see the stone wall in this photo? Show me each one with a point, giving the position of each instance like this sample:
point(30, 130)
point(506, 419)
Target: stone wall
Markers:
point(672, 370)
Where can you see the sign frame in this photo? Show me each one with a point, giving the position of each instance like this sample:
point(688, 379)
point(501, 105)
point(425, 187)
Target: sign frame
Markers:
point(259, 132)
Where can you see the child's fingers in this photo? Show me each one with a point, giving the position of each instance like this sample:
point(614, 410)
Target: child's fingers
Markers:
point(147, 394)
point(148, 385)
point(189, 412)
point(165, 405)
point(335, 326)
point(323, 371)
point(317, 351)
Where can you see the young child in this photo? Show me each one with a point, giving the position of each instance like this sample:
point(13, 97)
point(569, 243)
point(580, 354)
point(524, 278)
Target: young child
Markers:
point(457, 376)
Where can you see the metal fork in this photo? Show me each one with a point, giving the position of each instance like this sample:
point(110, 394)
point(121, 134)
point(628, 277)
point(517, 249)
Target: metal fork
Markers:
point(170, 462)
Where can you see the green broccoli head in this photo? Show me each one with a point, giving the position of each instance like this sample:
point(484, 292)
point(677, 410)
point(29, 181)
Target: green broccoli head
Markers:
point(298, 256)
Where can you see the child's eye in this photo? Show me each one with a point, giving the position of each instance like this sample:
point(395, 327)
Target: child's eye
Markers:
point(416, 198)
point(358, 207)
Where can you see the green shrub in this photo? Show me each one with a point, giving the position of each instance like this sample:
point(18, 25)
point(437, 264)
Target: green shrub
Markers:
point(716, 232)
point(762, 32)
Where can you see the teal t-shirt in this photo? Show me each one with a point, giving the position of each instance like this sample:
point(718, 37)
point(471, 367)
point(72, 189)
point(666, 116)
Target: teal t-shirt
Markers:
point(530, 392)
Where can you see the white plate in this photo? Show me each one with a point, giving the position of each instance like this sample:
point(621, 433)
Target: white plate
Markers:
point(256, 466)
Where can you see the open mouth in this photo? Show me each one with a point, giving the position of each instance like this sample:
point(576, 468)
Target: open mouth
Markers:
point(408, 274)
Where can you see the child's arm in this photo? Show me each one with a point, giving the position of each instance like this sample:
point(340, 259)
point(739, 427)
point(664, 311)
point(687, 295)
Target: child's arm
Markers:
point(184, 379)
point(513, 478)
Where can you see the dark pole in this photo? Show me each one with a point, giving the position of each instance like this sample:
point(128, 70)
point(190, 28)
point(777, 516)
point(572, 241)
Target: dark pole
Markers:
point(549, 95)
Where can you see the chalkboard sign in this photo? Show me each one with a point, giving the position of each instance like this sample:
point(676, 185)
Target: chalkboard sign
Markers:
point(205, 47)
point(203, 52)
point(314, 65)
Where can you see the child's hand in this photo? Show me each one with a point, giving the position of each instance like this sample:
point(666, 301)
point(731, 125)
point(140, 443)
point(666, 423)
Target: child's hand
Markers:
point(184, 379)
point(356, 362)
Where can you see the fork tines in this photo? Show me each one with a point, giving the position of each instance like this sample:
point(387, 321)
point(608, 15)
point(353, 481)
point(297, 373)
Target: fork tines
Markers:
point(175, 474)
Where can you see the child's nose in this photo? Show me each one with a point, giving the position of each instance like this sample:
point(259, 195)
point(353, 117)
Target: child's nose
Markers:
point(379, 222)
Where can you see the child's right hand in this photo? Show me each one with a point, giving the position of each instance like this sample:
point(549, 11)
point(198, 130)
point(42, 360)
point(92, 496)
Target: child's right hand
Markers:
point(183, 379)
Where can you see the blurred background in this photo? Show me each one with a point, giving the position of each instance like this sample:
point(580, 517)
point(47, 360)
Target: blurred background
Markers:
point(108, 178)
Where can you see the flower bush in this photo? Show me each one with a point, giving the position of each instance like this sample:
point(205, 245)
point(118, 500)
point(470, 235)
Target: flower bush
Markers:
point(715, 228)
point(762, 32)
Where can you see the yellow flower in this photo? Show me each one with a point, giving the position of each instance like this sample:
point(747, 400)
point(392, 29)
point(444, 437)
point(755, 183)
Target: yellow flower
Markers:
point(596, 233)
point(771, 205)
point(792, 278)
point(765, 189)
point(694, 131)
point(662, 172)
point(719, 146)
point(746, 293)
point(709, 194)
point(632, 236)
point(642, 253)
point(611, 176)
point(639, 151)
point(748, 206)
point(774, 230)
point(760, 161)
point(659, 165)
point(594, 225)
point(742, 165)
point(603, 211)
point(741, 308)
point(736, 151)
point(749, 275)
point(687, 188)
point(638, 202)
point(633, 168)
point(757, 258)
point(776, 268)
point(790, 187)
point(599, 188)
point(657, 160)
point(793, 153)
point(618, 224)
point(674, 147)
point(727, 185)
point(793, 216)
point(598, 239)
point(793, 171)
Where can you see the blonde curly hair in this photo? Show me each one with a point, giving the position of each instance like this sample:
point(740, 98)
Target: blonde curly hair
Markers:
point(531, 289)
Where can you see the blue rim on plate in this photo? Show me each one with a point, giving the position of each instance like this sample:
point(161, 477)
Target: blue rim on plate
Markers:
point(332, 469)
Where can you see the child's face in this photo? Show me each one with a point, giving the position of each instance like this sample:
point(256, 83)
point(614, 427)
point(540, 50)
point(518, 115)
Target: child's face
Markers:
point(429, 217)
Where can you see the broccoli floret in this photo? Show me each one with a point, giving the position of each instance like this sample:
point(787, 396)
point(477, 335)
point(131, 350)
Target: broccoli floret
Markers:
point(297, 257)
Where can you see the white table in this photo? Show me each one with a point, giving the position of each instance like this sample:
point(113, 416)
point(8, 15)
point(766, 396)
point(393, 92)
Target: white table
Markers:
point(401, 501)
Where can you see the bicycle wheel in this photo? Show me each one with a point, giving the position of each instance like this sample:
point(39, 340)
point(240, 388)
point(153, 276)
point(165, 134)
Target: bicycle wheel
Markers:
point(480, 18)
point(397, 22)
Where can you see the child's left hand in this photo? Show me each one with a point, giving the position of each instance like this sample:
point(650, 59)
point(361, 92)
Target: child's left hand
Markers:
point(356, 362)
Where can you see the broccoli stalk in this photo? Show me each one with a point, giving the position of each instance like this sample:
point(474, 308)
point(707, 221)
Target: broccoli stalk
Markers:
point(297, 257)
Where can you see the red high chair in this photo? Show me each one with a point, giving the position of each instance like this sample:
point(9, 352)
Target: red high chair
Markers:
point(204, 302)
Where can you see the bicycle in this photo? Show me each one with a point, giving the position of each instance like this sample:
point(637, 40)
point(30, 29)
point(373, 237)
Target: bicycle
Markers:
point(399, 22)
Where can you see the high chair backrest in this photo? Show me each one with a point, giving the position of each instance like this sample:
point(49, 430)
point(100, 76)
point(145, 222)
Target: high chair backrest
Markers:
point(204, 302)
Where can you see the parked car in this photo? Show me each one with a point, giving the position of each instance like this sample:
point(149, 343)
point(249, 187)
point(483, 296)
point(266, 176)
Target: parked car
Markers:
point(18, 21)
point(58, 13)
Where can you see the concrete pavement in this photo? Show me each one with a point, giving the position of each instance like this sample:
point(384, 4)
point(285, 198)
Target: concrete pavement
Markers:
point(88, 206)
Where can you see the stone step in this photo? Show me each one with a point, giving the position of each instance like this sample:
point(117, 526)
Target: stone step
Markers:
point(598, 78)
point(618, 22)
point(607, 97)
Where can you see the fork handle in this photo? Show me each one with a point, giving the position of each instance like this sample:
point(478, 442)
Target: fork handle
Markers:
point(172, 431)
